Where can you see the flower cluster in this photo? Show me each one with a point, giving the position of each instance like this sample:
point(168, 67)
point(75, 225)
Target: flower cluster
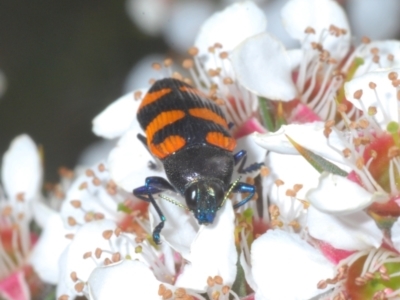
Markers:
point(320, 125)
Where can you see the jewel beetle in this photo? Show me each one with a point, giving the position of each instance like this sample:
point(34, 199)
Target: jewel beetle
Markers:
point(190, 135)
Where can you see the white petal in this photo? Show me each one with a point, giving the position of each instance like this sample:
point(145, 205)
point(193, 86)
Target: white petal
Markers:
point(212, 253)
point(338, 195)
point(96, 152)
point(48, 249)
point(64, 278)
point(263, 67)
point(92, 199)
point(279, 260)
point(129, 279)
point(180, 228)
point(184, 23)
point(385, 99)
point(87, 239)
point(22, 168)
point(310, 136)
point(284, 167)
point(118, 117)
point(395, 233)
point(297, 15)
point(141, 73)
point(149, 15)
point(128, 162)
point(225, 28)
point(356, 231)
point(364, 16)
point(385, 48)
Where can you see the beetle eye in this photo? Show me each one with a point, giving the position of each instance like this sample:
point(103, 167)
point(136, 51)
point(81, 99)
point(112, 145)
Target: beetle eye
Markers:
point(191, 194)
point(217, 192)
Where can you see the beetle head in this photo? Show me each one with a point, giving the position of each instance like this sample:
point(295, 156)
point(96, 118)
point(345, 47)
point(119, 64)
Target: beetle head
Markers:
point(204, 198)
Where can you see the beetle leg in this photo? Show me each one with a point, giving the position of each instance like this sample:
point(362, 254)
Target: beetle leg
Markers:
point(242, 187)
point(154, 185)
point(241, 158)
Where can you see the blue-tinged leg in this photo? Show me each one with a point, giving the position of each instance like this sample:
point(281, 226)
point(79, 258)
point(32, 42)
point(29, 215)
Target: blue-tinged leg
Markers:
point(154, 185)
point(241, 157)
point(242, 187)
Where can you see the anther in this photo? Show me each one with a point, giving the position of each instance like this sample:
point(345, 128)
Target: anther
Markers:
point(180, 292)
point(107, 261)
point(168, 62)
point(138, 249)
point(365, 40)
point(156, 66)
point(187, 64)
point(76, 203)
point(358, 94)
point(346, 152)
point(117, 231)
point(393, 151)
point(96, 181)
point(71, 221)
point(322, 284)
point(372, 85)
point(309, 30)
point(372, 111)
point(87, 255)
point(137, 95)
point(73, 276)
point(98, 252)
point(177, 75)
point(228, 80)
point(218, 280)
point(390, 57)
point(89, 173)
point(360, 281)
point(393, 75)
point(374, 51)
point(193, 51)
point(264, 171)
point(70, 236)
point(63, 297)
point(215, 295)
point(210, 281)
point(375, 59)
point(360, 163)
point(223, 55)
point(107, 234)
point(225, 289)
point(83, 186)
point(20, 197)
point(218, 45)
point(79, 287)
point(116, 257)
point(279, 182)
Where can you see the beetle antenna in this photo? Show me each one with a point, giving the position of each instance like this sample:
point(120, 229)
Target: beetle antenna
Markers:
point(230, 190)
point(177, 203)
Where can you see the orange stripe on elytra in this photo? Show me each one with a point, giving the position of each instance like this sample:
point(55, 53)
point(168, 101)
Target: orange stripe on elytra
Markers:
point(170, 145)
point(163, 119)
point(221, 141)
point(153, 96)
point(207, 114)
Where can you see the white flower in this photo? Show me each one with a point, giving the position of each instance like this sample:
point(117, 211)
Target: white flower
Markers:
point(21, 176)
point(286, 267)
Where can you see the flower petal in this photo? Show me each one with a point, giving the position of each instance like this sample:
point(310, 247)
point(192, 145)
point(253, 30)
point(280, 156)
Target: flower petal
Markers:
point(48, 249)
point(212, 253)
point(339, 196)
point(297, 15)
point(383, 97)
point(223, 27)
point(356, 231)
point(181, 227)
point(263, 67)
point(129, 279)
point(118, 117)
point(387, 51)
point(22, 169)
point(395, 234)
point(310, 136)
point(279, 260)
point(129, 162)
